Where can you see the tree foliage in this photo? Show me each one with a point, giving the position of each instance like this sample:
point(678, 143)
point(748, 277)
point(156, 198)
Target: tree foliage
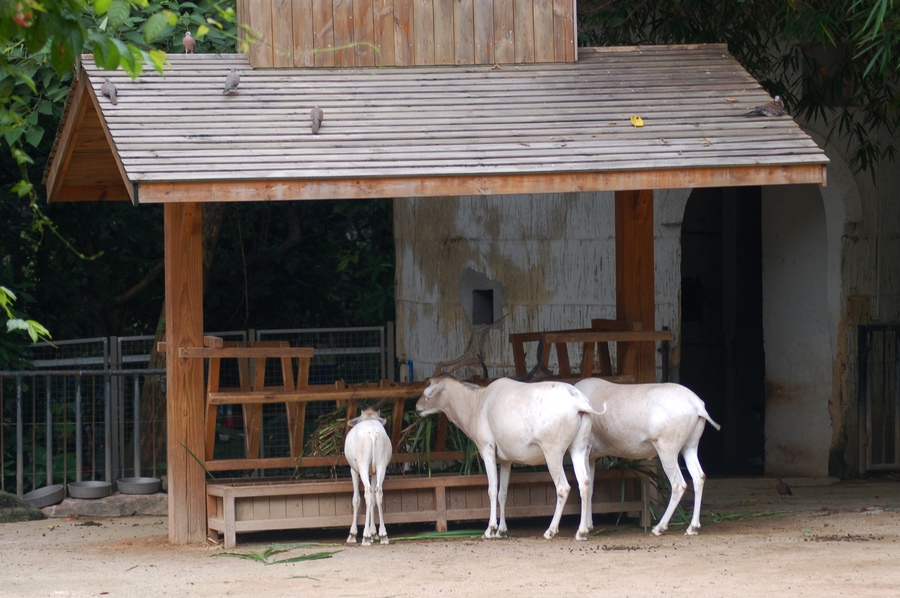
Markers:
point(834, 61)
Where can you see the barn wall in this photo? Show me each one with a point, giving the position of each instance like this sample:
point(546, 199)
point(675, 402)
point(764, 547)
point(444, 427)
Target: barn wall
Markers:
point(550, 260)
point(358, 33)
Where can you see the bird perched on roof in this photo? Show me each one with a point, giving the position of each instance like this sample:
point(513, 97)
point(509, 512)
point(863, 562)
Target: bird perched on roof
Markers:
point(231, 82)
point(782, 488)
point(189, 42)
point(109, 90)
point(773, 108)
point(316, 116)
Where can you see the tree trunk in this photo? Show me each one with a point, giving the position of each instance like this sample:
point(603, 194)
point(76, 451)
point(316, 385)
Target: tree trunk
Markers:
point(153, 397)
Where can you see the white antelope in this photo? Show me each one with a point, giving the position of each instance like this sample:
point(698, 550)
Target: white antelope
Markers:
point(645, 420)
point(367, 448)
point(513, 422)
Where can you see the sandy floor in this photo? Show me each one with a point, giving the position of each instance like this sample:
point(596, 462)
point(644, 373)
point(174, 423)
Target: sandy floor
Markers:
point(828, 539)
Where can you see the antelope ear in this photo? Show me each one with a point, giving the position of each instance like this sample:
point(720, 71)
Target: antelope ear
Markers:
point(353, 421)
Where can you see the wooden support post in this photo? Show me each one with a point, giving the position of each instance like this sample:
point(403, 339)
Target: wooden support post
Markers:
point(635, 293)
point(184, 376)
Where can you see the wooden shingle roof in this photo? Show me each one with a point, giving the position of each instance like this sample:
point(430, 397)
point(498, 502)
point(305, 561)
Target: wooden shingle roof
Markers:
point(436, 131)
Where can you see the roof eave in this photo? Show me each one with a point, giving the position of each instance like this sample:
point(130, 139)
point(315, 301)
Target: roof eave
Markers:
point(494, 184)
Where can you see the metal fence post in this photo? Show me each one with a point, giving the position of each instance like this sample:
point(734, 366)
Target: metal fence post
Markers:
point(49, 440)
point(20, 440)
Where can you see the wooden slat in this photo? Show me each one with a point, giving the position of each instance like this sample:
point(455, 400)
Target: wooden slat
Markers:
point(544, 50)
point(483, 28)
point(345, 54)
point(323, 30)
point(444, 44)
point(504, 31)
point(383, 32)
point(423, 32)
point(524, 30)
point(303, 33)
point(404, 43)
point(464, 32)
point(564, 30)
point(364, 32)
point(282, 33)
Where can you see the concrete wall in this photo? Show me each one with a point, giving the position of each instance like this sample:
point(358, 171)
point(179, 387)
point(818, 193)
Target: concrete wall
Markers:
point(550, 260)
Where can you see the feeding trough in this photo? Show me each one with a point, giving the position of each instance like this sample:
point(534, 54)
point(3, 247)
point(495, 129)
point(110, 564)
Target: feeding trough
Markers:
point(138, 485)
point(46, 496)
point(89, 489)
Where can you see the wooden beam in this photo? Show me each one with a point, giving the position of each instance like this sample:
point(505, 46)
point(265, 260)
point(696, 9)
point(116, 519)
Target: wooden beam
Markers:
point(184, 376)
point(635, 294)
point(500, 184)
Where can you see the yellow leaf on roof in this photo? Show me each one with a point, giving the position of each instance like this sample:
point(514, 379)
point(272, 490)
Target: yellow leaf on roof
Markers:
point(637, 120)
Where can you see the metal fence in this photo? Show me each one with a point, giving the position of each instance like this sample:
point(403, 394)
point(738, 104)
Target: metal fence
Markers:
point(879, 394)
point(76, 415)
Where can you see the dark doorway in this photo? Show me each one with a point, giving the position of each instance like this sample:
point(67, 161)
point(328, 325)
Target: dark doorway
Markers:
point(722, 357)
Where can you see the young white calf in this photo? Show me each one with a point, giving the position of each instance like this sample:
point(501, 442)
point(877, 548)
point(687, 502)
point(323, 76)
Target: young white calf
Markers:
point(511, 422)
point(367, 448)
point(644, 420)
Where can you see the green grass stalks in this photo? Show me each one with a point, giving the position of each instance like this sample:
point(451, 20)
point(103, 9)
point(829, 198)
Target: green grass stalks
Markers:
point(265, 556)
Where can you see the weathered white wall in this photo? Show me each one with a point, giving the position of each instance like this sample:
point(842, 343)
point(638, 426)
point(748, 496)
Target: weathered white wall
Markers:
point(551, 258)
point(797, 330)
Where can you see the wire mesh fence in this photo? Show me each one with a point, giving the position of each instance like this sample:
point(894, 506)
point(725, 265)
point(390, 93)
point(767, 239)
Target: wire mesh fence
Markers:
point(77, 414)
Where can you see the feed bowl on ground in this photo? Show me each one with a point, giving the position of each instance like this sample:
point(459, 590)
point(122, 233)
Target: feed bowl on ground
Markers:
point(90, 489)
point(138, 485)
point(46, 496)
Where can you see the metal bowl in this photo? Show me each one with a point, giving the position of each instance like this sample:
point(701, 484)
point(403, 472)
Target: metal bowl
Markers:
point(138, 485)
point(89, 489)
point(46, 496)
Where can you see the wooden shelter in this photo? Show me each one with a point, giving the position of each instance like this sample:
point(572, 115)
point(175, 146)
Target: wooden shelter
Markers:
point(504, 126)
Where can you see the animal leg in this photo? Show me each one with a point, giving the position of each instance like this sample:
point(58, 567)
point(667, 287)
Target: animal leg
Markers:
point(351, 539)
point(585, 484)
point(505, 469)
point(554, 464)
point(692, 462)
point(669, 460)
point(591, 471)
point(369, 528)
point(490, 467)
point(379, 499)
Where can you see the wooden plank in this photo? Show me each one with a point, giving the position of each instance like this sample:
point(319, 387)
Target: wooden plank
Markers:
point(635, 300)
point(323, 29)
point(544, 28)
point(501, 184)
point(282, 33)
point(185, 389)
point(245, 352)
point(423, 32)
point(484, 32)
point(464, 32)
point(404, 33)
point(262, 50)
point(564, 30)
point(364, 32)
point(383, 32)
point(504, 32)
point(345, 54)
point(304, 37)
point(443, 32)
point(524, 31)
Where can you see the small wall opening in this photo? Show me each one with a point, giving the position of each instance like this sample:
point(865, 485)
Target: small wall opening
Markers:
point(482, 307)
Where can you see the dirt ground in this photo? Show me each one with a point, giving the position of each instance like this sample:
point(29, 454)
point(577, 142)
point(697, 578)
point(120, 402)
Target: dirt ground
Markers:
point(831, 538)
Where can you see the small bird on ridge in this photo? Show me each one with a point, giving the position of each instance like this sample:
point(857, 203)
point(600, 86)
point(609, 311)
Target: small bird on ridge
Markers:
point(773, 108)
point(316, 116)
point(189, 42)
point(109, 90)
point(782, 488)
point(231, 82)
